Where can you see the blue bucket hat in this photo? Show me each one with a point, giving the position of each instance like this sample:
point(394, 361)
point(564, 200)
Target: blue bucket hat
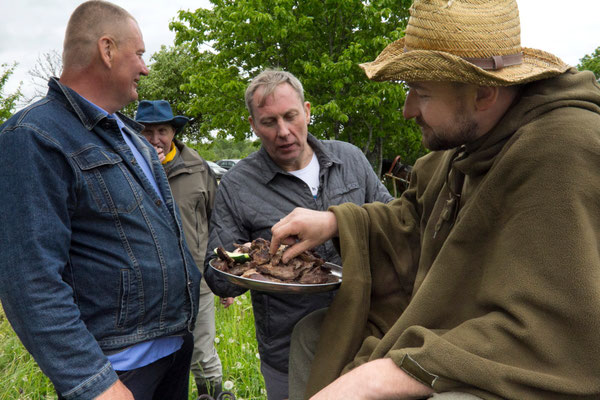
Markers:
point(159, 112)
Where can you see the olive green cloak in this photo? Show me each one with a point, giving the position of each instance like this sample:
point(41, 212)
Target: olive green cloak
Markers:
point(501, 300)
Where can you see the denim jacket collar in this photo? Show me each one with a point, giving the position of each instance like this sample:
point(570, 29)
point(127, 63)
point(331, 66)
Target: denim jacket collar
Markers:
point(87, 113)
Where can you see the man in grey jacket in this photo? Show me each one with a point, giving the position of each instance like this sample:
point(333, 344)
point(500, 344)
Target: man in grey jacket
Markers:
point(292, 169)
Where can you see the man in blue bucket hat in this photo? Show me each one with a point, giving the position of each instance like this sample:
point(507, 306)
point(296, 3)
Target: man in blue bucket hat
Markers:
point(194, 186)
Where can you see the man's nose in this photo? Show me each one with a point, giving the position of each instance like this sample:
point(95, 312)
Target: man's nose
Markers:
point(282, 128)
point(153, 139)
point(410, 109)
point(144, 70)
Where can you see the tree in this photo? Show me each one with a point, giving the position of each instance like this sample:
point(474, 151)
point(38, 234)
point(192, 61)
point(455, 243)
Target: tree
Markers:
point(47, 65)
point(219, 149)
point(321, 42)
point(167, 68)
point(8, 102)
point(591, 62)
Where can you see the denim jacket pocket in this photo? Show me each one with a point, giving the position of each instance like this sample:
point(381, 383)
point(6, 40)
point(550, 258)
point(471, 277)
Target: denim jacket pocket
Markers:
point(100, 166)
point(124, 293)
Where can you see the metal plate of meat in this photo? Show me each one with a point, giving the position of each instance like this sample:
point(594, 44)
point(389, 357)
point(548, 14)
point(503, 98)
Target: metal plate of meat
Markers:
point(279, 287)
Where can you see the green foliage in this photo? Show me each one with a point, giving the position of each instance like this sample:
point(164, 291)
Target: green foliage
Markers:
point(321, 42)
point(20, 376)
point(591, 62)
point(220, 148)
point(167, 71)
point(7, 102)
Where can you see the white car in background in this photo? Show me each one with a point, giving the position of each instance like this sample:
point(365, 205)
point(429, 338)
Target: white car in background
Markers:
point(228, 163)
point(216, 169)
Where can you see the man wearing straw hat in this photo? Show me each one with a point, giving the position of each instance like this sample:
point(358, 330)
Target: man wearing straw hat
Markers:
point(481, 281)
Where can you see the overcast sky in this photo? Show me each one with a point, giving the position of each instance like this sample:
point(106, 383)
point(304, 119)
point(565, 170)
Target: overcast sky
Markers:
point(29, 28)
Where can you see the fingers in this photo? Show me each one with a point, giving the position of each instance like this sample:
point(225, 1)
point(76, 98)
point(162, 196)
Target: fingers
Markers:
point(160, 153)
point(278, 234)
point(226, 301)
point(284, 232)
point(296, 249)
point(302, 230)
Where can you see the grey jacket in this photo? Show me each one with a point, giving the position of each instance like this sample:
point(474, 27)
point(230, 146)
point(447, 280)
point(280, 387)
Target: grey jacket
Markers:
point(253, 196)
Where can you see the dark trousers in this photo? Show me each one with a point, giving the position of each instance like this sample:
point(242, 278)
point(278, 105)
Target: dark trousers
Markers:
point(164, 379)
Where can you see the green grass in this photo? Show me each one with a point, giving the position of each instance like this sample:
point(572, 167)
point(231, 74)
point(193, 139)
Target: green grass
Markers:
point(21, 378)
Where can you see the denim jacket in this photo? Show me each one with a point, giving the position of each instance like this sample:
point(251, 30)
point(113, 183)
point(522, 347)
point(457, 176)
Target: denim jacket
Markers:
point(92, 261)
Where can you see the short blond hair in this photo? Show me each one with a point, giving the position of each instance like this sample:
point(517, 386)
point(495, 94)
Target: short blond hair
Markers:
point(90, 21)
point(270, 79)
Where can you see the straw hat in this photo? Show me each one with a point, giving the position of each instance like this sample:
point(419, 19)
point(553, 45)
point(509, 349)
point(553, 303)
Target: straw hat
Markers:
point(470, 41)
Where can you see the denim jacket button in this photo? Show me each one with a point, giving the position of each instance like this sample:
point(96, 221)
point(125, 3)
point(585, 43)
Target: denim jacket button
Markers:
point(158, 202)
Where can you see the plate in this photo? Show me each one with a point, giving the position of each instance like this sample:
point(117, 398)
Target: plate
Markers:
point(278, 287)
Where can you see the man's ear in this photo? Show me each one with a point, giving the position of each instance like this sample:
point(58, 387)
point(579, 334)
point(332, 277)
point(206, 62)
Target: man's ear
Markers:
point(106, 49)
point(307, 112)
point(486, 97)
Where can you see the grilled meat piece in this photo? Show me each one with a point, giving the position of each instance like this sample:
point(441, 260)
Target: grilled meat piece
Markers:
point(309, 256)
point(222, 253)
point(221, 265)
point(238, 269)
point(281, 271)
point(317, 275)
point(259, 251)
point(244, 248)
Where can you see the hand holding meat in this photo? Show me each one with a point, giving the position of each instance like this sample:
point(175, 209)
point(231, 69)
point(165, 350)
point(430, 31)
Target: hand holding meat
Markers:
point(303, 229)
point(306, 268)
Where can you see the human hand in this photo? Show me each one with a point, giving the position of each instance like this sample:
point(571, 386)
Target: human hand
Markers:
point(160, 152)
point(376, 380)
point(226, 301)
point(118, 391)
point(303, 229)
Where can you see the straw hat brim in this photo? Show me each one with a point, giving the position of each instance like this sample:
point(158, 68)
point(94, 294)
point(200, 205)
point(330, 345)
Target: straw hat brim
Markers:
point(395, 64)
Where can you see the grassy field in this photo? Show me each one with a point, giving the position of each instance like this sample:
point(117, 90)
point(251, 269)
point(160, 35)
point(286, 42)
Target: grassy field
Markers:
point(21, 379)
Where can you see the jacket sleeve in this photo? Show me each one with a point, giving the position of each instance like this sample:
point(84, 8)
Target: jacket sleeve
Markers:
point(225, 229)
point(36, 181)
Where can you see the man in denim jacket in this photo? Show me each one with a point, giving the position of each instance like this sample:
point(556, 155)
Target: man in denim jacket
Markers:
point(97, 280)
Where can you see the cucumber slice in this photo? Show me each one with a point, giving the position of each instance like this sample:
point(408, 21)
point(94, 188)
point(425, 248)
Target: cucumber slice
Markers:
point(237, 257)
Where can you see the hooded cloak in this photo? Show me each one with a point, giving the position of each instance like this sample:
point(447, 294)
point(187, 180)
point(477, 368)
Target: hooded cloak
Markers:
point(500, 296)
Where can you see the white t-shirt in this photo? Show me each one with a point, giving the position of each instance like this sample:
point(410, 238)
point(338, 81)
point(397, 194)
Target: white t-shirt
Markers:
point(310, 175)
